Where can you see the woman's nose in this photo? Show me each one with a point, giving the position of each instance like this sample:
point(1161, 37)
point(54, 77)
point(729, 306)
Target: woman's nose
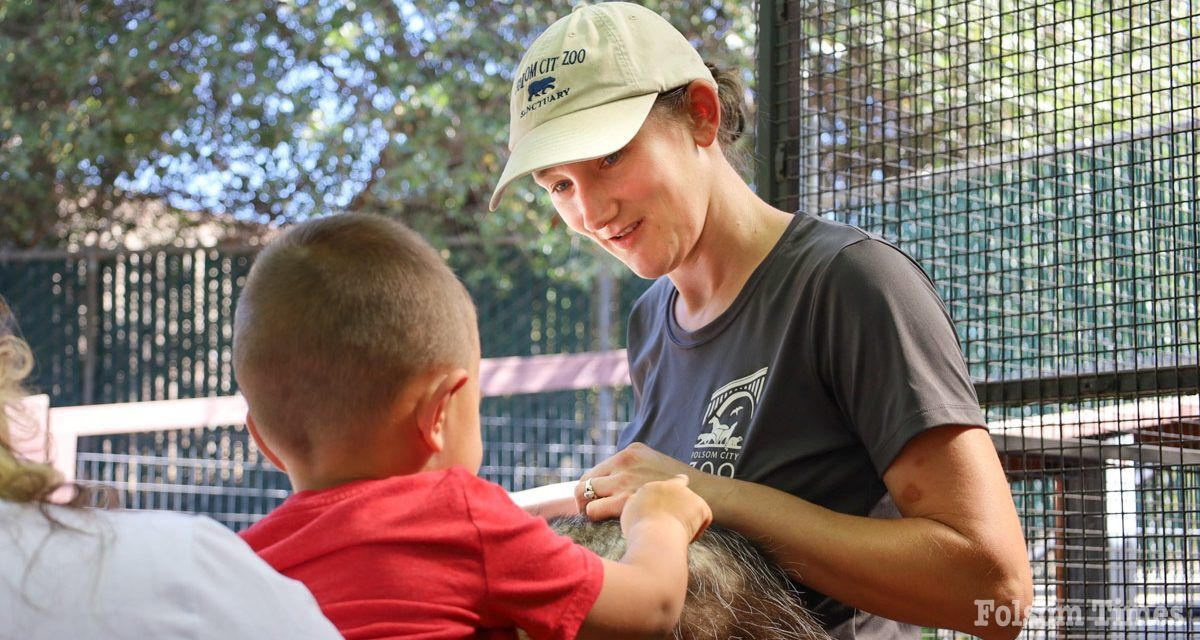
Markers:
point(595, 210)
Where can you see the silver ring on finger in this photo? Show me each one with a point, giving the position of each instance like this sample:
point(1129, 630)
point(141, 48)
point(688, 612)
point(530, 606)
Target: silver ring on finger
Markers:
point(588, 492)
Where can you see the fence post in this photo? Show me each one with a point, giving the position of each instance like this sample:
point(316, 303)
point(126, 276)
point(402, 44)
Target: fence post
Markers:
point(1085, 547)
point(606, 412)
point(91, 331)
point(767, 144)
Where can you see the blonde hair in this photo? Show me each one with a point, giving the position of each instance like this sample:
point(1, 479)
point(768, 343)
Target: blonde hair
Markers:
point(337, 314)
point(22, 480)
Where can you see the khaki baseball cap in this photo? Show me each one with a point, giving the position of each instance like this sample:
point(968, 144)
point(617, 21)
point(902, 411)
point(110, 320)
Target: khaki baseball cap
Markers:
point(586, 85)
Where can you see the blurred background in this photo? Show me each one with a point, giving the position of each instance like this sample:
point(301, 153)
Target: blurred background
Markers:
point(148, 149)
point(1038, 159)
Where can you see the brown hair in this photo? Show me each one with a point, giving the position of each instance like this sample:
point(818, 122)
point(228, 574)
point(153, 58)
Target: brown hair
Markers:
point(23, 480)
point(337, 315)
point(731, 95)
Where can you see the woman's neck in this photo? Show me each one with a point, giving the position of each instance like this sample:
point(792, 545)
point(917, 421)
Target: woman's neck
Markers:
point(739, 231)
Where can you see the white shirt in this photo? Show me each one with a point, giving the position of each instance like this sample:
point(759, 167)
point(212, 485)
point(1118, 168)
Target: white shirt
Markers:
point(113, 574)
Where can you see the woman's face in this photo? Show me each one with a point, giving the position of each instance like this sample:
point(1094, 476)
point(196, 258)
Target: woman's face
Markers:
point(645, 204)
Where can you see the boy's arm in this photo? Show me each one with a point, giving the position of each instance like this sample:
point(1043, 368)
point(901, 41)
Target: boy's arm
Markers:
point(548, 501)
point(643, 593)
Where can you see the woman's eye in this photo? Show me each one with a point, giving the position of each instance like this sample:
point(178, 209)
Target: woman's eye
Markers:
point(611, 158)
point(560, 186)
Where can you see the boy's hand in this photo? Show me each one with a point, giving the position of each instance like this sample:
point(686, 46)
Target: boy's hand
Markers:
point(668, 498)
point(616, 479)
point(644, 592)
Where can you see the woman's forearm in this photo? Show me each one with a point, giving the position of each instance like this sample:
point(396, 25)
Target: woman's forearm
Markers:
point(912, 569)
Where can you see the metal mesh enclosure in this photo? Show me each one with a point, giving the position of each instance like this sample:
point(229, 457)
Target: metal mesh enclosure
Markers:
point(123, 327)
point(158, 325)
point(1039, 161)
point(217, 472)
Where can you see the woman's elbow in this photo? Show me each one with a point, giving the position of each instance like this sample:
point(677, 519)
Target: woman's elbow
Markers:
point(1015, 584)
point(1003, 607)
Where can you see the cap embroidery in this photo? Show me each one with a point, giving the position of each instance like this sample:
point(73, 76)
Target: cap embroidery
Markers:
point(544, 100)
point(628, 59)
point(544, 90)
point(538, 87)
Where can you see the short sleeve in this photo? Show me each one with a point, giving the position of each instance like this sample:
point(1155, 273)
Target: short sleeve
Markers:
point(541, 581)
point(238, 595)
point(887, 349)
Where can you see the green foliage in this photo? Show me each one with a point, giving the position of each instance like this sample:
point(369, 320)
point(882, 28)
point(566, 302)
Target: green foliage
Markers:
point(952, 81)
point(277, 111)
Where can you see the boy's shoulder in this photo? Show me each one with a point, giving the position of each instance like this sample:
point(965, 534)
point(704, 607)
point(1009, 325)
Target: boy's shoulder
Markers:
point(450, 524)
point(484, 498)
point(429, 495)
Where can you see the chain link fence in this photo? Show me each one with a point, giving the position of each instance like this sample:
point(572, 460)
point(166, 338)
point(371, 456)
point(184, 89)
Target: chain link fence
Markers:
point(1039, 160)
point(158, 325)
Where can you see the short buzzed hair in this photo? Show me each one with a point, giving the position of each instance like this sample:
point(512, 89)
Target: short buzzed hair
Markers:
point(337, 315)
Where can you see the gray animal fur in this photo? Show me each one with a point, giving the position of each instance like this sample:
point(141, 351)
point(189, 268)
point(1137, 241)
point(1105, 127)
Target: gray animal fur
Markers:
point(734, 591)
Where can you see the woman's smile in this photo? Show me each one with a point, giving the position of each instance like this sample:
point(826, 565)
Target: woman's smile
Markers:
point(625, 238)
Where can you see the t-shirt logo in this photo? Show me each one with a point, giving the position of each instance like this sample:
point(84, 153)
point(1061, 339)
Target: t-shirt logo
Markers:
point(726, 419)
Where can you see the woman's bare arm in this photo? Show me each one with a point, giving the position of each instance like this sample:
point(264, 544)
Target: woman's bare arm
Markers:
point(958, 544)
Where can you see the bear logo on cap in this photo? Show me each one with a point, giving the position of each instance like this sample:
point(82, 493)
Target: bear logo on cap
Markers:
point(538, 87)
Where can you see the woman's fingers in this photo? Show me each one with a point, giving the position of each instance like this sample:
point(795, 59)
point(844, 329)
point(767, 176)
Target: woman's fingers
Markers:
point(588, 489)
point(620, 476)
point(602, 487)
point(606, 508)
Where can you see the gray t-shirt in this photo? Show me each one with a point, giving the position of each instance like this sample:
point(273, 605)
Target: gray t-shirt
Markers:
point(836, 352)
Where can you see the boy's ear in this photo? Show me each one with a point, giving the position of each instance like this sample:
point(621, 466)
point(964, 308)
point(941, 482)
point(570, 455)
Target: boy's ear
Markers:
point(704, 108)
point(431, 413)
point(262, 446)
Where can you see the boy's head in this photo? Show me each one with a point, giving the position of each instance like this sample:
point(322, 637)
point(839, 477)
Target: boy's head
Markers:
point(351, 332)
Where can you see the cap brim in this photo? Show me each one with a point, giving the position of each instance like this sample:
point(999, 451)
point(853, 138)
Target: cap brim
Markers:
point(582, 135)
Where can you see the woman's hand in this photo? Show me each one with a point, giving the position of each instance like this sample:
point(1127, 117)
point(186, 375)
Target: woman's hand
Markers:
point(617, 478)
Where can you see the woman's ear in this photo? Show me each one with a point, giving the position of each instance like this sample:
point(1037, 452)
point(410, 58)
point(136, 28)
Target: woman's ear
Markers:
point(704, 109)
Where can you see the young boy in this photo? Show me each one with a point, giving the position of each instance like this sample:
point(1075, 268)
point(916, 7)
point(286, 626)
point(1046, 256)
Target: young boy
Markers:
point(357, 351)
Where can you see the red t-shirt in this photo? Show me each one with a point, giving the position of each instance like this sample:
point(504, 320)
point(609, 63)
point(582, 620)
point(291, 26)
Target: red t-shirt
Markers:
point(441, 554)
